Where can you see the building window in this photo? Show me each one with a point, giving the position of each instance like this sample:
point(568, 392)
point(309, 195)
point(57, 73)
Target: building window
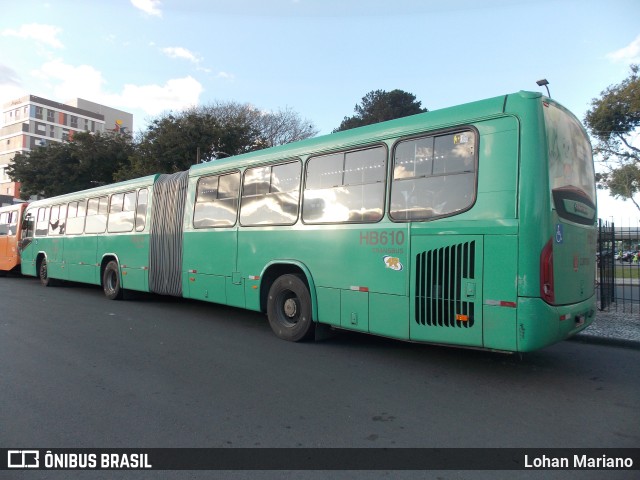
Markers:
point(39, 113)
point(73, 121)
point(50, 115)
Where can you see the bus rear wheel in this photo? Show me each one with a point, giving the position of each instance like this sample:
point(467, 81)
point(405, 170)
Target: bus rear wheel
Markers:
point(289, 308)
point(111, 281)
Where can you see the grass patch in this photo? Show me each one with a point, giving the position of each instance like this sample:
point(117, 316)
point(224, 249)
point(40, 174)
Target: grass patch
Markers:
point(627, 272)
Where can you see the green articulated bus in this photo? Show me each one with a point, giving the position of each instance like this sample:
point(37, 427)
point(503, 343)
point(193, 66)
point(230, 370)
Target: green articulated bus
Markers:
point(472, 225)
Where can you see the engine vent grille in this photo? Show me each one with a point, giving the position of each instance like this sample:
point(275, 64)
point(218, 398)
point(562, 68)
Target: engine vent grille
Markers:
point(442, 278)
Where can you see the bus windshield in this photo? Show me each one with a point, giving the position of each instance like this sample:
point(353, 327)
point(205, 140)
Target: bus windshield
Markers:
point(572, 177)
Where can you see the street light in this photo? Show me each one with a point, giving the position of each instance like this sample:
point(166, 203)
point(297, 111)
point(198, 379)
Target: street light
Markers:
point(544, 83)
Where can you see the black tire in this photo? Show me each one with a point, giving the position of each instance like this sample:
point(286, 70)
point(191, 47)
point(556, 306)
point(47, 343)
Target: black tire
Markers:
point(289, 309)
point(43, 274)
point(111, 281)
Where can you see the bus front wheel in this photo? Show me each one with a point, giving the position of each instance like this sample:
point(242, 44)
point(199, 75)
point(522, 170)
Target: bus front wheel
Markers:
point(111, 281)
point(43, 273)
point(289, 308)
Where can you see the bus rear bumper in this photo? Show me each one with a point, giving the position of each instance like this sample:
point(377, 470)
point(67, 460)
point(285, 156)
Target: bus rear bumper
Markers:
point(541, 324)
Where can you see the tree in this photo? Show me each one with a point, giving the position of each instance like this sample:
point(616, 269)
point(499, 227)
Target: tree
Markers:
point(613, 121)
point(85, 161)
point(283, 126)
point(175, 141)
point(379, 106)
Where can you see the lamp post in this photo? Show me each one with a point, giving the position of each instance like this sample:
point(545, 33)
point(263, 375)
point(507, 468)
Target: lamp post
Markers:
point(544, 83)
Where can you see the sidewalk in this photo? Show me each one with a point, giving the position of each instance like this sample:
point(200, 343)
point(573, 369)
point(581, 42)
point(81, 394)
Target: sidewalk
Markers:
point(613, 328)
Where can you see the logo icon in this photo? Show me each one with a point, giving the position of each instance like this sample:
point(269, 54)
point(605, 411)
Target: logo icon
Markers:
point(393, 263)
point(23, 459)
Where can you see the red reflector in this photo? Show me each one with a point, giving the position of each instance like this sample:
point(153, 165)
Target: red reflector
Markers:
point(359, 289)
point(508, 304)
point(547, 289)
point(462, 318)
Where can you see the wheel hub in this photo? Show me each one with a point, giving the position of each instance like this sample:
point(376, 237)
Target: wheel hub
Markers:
point(290, 308)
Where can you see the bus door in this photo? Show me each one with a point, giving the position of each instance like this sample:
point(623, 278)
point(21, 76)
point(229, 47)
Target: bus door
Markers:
point(446, 289)
point(210, 247)
point(4, 240)
point(26, 243)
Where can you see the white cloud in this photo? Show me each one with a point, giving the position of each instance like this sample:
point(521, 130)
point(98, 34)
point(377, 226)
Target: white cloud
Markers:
point(68, 82)
point(175, 94)
point(628, 54)
point(150, 7)
point(180, 52)
point(46, 34)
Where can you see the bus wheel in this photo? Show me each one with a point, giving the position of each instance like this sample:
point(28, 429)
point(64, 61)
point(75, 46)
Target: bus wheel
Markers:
point(111, 281)
point(289, 308)
point(43, 274)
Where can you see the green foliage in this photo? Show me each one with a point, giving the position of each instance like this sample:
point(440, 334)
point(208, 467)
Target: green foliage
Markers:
point(86, 161)
point(379, 106)
point(175, 141)
point(613, 120)
point(172, 143)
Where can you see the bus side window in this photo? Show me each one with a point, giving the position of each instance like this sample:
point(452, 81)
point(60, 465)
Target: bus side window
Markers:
point(97, 211)
point(433, 176)
point(217, 201)
point(270, 195)
point(42, 225)
point(4, 223)
point(58, 219)
point(27, 226)
point(141, 209)
point(13, 223)
point(121, 212)
point(345, 187)
point(75, 217)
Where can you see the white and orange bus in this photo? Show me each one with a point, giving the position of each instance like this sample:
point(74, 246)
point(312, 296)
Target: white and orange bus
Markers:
point(10, 231)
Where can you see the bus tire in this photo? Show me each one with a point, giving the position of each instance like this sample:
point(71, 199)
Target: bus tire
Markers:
point(289, 308)
point(111, 281)
point(43, 273)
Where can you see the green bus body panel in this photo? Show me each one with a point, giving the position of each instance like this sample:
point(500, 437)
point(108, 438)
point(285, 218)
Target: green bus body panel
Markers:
point(132, 254)
point(539, 323)
point(448, 285)
point(500, 291)
point(574, 264)
point(469, 279)
point(209, 259)
point(82, 258)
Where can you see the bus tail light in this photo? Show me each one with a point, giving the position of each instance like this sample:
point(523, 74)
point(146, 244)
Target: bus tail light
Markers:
point(547, 288)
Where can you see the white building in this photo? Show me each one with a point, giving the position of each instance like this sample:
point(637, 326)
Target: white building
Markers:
point(29, 122)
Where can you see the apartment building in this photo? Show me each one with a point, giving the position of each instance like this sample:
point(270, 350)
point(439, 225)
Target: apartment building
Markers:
point(30, 121)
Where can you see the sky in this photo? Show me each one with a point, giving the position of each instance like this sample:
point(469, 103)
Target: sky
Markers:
point(315, 57)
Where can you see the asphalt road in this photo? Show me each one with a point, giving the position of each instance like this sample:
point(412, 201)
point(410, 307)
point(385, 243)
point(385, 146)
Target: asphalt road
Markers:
point(78, 370)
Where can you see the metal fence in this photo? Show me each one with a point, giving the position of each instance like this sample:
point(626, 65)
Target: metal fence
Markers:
point(618, 266)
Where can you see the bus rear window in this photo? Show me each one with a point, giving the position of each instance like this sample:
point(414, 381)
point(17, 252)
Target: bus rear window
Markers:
point(572, 177)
